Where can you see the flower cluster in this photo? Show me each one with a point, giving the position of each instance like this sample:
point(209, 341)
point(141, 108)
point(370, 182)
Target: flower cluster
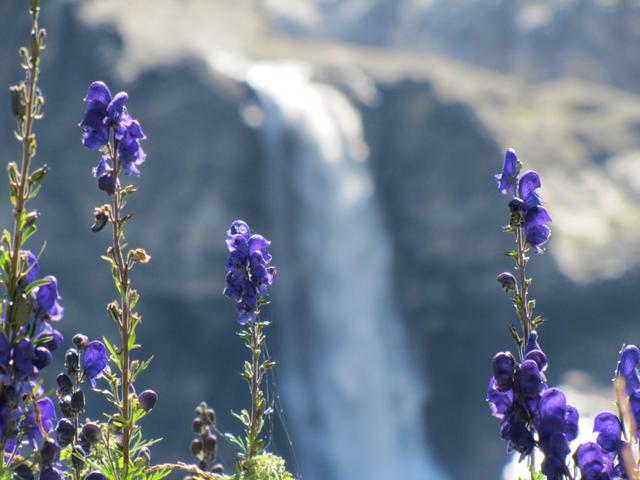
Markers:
point(601, 460)
point(520, 398)
point(204, 446)
point(83, 363)
point(249, 275)
point(26, 347)
point(526, 205)
point(108, 117)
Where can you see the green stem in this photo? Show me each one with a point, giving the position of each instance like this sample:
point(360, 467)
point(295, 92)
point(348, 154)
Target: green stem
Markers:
point(523, 288)
point(255, 344)
point(27, 138)
point(125, 317)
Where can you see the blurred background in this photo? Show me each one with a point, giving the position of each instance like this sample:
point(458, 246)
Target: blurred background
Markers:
point(361, 137)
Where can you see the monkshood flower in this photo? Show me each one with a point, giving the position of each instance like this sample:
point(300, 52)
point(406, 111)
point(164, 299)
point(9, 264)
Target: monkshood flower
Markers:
point(628, 370)
point(94, 360)
point(527, 203)
point(600, 460)
point(557, 425)
point(107, 116)
point(46, 304)
point(519, 396)
point(249, 275)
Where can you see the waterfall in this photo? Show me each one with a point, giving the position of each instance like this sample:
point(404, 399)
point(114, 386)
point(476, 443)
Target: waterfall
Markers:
point(352, 395)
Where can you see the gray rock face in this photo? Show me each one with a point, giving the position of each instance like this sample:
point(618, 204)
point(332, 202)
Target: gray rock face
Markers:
point(432, 153)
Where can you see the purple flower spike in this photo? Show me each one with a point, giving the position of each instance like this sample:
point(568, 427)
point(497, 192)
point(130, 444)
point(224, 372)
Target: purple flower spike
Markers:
point(94, 360)
point(249, 275)
point(508, 178)
point(105, 115)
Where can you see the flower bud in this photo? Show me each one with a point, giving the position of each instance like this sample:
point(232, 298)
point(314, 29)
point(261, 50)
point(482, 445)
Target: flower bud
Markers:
point(72, 361)
point(211, 416)
point(39, 175)
point(107, 183)
point(42, 357)
point(95, 476)
point(65, 385)
point(23, 472)
point(80, 341)
point(91, 432)
point(65, 432)
point(48, 452)
point(18, 101)
point(65, 406)
point(196, 447)
point(77, 458)
point(210, 444)
point(147, 400)
point(31, 218)
point(77, 400)
point(145, 456)
point(196, 426)
point(507, 281)
point(14, 174)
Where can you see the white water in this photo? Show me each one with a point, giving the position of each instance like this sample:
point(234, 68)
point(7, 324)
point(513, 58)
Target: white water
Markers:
point(353, 397)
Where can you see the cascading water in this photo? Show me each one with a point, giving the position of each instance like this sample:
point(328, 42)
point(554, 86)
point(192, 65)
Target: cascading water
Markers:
point(353, 397)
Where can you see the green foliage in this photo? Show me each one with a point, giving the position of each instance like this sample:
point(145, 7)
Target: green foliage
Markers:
point(265, 467)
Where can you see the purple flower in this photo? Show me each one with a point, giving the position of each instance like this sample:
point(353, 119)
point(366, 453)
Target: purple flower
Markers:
point(23, 359)
point(94, 360)
point(535, 215)
point(31, 268)
point(526, 200)
point(249, 275)
point(503, 368)
point(592, 462)
point(50, 473)
point(557, 425)
point(45, 413)
point(147, 400)
point(94, 127)
point(46, 305)
point(507, 180)
point(105, 114)
point(628, 367)
point(104, 174)
point(609, 431)
point(54, 338)
point(130, 152)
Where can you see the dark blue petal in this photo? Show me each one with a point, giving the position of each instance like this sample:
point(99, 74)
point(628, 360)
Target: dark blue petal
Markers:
point(94, 359)
point(609, 431)
point(98, 92)
point(508, 178)
point(530, 379)
point(23, 357)
point(240, 227)
point(529, 183)
point(116, 107)
point(503, 369)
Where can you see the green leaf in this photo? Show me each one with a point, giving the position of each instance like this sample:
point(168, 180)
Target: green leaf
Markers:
point(36, 284)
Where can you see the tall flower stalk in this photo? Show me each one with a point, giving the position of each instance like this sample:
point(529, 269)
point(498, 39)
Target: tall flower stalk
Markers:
point(27, 102)
point(29, 302)
point(248, 279)
point(108, 128)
